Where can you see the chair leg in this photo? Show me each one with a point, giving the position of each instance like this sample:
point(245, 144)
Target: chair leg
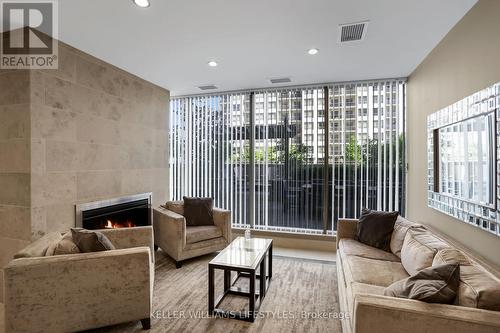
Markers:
point(178, 264)
point(146, 323)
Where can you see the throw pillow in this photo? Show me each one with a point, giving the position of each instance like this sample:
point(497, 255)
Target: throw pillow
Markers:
point(91, 241)
point(437, 284)
point(198, 211)
point(375, 228)
point(66, 245)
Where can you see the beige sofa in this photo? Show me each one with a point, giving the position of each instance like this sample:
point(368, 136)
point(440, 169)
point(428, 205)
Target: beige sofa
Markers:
point(364, 272)
point(67, 293)
point(182, 242)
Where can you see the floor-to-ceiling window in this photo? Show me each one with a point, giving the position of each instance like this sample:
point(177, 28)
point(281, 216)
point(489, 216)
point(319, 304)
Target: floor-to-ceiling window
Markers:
point(293, 159)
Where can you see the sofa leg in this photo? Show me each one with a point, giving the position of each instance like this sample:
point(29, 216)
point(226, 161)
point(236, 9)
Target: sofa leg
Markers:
point(146, 323)
point(178, 264)
point(156, 247)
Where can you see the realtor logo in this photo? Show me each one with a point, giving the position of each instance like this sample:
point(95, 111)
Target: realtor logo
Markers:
point(29, 35)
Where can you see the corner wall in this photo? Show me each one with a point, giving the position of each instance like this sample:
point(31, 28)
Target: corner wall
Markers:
point(465, 61)
point(85, 132)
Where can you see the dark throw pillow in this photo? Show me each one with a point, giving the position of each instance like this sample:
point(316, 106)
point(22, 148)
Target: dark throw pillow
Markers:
point(436, 284)
point(375, 228)
point(91, 241)
point(198, 211)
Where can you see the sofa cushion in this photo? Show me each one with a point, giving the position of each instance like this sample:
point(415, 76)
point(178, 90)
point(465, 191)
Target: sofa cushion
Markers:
point(175, 206)
point(91, 241)
point(201, 233)
point(375, 228)
point(198, 211)
point(352, 247)
point(419, 248)
point(436, 284)
point(39, 247)
point(398, 235)
point(372, 271)
point(477, 287)
point(450, 256)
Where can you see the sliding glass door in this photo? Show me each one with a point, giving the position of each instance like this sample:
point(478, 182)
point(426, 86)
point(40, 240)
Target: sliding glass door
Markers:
point(292, 159)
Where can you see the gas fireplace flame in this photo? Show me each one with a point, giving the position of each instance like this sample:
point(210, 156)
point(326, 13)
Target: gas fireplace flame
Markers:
point(114, 225)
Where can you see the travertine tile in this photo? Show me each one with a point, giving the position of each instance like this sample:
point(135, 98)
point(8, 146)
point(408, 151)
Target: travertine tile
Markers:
point(38, 156)
point(15, 189)
point(15, 156)
point(99, 77)
point(38, 222)
point(60, 217)
point(14, 88)
point(53, 123)
point(66, 66)
point(98, 184)
point(136, 90)
point(14, 122)
point(59, 93)
point(160, 157)
point(97, 130)
point(136, 134)
point(52, 188)
point(9, 247)
point(15, 222)
point(160, 138)
point(2, 318)
point(99, 157)
point(37, 87)
point(61, 156)
point(137, 181)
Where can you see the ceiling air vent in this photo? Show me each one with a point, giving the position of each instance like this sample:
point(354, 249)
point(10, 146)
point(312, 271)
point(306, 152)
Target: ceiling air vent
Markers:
point(280, 80)
point(207, 87)
point(352, 31)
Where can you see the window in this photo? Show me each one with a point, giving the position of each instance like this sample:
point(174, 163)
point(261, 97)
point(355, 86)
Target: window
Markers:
point(211, 155)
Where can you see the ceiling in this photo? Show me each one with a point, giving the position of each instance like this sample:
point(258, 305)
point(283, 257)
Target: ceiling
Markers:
point(171, 42)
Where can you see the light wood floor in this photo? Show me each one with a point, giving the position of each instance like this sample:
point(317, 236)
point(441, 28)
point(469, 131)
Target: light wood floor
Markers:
point(300, 288)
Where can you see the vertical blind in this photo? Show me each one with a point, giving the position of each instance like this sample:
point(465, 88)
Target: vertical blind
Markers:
point(286, 159)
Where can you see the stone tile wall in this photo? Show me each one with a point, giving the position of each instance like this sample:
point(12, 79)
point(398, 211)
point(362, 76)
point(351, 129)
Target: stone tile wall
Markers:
point(85, 132)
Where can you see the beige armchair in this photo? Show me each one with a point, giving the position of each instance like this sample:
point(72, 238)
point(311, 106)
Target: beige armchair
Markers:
point(181, 242)
point(75, 292)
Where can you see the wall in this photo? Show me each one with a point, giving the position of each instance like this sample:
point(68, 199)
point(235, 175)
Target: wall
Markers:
point(15, 232)
point(465, 61)
point(87, 131)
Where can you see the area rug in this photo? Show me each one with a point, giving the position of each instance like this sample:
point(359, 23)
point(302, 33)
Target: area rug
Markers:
point(302, 297)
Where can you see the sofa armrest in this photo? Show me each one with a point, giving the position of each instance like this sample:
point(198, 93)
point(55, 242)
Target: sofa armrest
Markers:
point(75, 292)
point(169, 231)
point(124, 238)
point(346, 228)
point(375, 313)
point(222, 219)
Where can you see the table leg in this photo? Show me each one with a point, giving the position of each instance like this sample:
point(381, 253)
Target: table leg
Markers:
point(227, 279)
point(251, 297)
point(263, 279)
point(211, 290)
point(271, 261)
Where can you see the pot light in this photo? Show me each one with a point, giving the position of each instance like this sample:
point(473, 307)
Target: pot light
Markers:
point(312, 51)
point(142, 3)
point(212, 63)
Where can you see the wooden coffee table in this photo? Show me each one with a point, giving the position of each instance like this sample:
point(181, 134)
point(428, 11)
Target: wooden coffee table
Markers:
point(243, 257)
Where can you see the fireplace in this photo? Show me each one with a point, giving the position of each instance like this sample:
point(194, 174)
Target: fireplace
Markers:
point(125, 212)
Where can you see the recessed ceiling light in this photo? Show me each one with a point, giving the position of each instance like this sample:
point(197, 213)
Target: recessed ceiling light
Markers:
point(312, 51)
point(141, 3)
point(212, 63)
